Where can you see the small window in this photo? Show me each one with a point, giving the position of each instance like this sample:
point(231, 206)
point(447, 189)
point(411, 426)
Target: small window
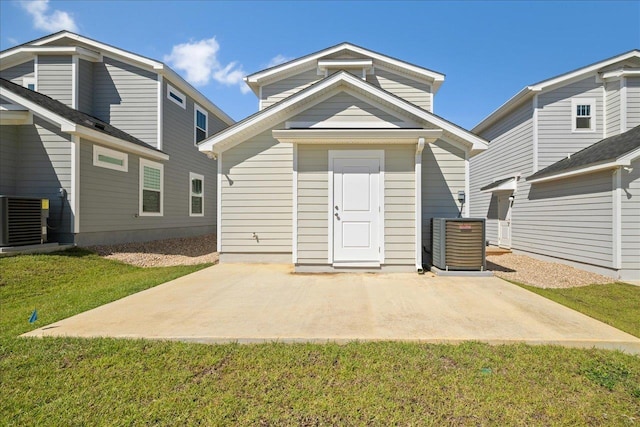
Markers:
point(200, 124)
point(151, 188)
point(110, 159)
point(29, 83)
point(176, 96)
point(583, 115)
point(196, 189)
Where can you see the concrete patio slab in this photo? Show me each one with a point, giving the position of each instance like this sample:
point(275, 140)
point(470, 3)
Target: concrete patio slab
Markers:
point(258, 303)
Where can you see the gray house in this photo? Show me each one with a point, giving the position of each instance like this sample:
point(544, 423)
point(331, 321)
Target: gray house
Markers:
point(561, 177)
point(109, 137)
point(343, 166)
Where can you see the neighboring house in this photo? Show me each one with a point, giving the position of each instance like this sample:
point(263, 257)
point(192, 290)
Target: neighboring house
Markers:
point(561, 177)
point(343, 166)
point(109, 137)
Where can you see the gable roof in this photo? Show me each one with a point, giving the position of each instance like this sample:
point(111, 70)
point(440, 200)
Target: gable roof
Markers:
point(24, 97)
point(529, 91)
point(291, 105)
point(610, 152)
point(295, 66)
point(34, 47)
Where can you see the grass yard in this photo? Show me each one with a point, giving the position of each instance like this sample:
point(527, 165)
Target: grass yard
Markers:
point(617, 304)
point(68, 381)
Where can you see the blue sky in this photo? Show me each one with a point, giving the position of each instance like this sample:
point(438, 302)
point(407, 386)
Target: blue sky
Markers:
point(487, 50)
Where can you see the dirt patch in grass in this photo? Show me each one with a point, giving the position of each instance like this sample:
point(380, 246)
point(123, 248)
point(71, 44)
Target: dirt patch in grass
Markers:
point(163, 253)
point(542, 274)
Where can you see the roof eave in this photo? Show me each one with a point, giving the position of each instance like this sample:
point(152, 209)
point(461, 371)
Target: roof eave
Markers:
point(146, 63)
point(216, 143)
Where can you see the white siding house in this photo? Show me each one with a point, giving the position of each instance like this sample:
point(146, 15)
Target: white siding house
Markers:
point(343, 166)
point(558, 178)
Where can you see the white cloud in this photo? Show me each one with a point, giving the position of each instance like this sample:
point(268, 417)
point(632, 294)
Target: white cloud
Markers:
point(48, 20)
point(199, 61)
point(277, 60)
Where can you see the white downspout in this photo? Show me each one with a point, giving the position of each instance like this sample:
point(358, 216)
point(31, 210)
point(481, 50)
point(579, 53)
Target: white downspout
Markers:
point(418, 197)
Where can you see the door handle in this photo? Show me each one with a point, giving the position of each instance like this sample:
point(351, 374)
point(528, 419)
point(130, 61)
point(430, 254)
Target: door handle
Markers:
point(337, 208)
point(337, 216)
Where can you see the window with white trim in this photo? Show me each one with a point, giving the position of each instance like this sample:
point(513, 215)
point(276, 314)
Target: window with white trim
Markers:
point(200, 121)
point(151, 188)
point(29, 83)
point(583, 114)
point(176, 96)
point(196, 193)
point(110, 159)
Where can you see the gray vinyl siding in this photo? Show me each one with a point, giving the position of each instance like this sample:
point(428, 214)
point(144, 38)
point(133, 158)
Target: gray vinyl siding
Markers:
point(179, 143)
point(400, 205)
point(613, 107)
point(85, 86)
point(313, 203)
point(633, 102)
point(555, 136)
point(344, 108)
point(55, 78)
point(443, 175)
point(42, 167)
point(568, 218)
point(413, 91)
point(257, 196)
point(279, 90)
point(417, 93)
point(109, 198)
point(631, 218)
point(8, 158)
point(18, 72)
point(126, 96)
point(510, 152)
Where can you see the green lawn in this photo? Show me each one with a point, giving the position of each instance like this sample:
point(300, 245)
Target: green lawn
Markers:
point(68, 381)
point(617, 304)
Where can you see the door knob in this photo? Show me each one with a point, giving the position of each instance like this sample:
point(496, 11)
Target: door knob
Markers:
point(337, 208)
point(336, 215)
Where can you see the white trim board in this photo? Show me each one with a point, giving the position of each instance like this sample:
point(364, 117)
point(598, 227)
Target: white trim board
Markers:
point(338, 82)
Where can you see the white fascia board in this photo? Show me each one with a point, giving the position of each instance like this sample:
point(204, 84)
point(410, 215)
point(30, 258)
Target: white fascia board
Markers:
point(310, 62)
point(357, 136)
point(37, 109)
point(512, 102)
point(100, 46)
point(112, 141)
point(474, 142)
point(75, 129)
point(623, 72)
point(15, 117)
point(506, 186)
point(26, 53)
point(195, 94)
point(147, 63)
point(621, 161)
point(547, 84)
point(580, 171)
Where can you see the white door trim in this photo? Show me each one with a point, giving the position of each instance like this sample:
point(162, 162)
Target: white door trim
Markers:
point(377, 154)
point(502, 242)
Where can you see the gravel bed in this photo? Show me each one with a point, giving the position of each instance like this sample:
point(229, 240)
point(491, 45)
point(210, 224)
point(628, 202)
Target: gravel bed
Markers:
point(202, 249)
point(541, 274)
point(163, 253)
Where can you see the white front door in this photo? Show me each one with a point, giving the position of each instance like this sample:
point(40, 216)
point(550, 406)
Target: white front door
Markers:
point(356, 209)
point(504, 221)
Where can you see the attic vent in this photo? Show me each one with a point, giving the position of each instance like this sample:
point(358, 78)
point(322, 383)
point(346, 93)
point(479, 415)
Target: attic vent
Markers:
point(99, 126)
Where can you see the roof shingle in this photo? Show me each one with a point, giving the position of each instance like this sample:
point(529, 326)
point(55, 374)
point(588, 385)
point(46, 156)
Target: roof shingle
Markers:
point(608, 149)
